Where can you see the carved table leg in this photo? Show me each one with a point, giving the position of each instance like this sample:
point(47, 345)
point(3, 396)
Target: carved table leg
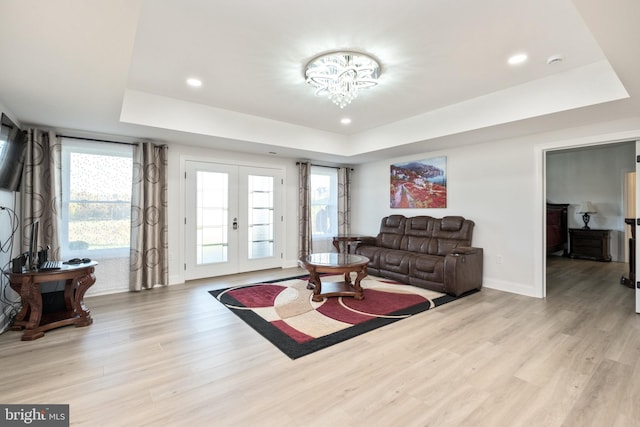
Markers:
point(317, 286)
point(356, 286)
point(347, 278)
point(18, 321)
point(84, 283)
point(312, 277)
point(31, 298)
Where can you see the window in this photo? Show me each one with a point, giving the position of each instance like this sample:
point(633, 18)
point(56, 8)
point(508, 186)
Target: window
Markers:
point(324, 207)
point(96, 199)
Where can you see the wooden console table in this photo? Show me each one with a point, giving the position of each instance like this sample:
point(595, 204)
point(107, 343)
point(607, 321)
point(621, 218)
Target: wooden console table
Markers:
point(31, 318)
point(348, 240)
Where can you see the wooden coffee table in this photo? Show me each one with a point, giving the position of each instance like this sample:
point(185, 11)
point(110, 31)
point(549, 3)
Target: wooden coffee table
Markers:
point(336, 264)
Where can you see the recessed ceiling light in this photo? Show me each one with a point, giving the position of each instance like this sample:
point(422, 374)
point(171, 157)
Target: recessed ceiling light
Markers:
point(517, 59)
point(345, 121)
point(193, 82)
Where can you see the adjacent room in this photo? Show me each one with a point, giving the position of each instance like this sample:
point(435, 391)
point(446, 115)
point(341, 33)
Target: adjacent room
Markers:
point(350, 213)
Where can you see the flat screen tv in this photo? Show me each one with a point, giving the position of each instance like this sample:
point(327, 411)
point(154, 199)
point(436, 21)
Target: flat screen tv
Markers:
point(12, 150)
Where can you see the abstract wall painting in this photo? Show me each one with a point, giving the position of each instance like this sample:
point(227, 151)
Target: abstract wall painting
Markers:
point(419, 184)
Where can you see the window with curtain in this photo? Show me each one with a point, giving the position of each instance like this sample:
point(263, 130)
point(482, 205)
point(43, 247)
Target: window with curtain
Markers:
point(324, 207)
point(96, 209)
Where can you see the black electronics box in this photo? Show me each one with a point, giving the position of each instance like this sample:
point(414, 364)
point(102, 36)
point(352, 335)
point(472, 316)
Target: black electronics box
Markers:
point(18, 263)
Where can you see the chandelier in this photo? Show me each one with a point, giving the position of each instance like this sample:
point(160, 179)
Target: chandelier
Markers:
point(340, 75)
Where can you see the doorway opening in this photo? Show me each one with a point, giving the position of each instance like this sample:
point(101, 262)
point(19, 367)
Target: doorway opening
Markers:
point(598, 174)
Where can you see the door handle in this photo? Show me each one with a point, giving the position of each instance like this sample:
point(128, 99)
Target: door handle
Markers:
point(235, 223)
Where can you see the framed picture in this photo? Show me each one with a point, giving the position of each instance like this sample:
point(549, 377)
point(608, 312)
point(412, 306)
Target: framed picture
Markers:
point(419, 184)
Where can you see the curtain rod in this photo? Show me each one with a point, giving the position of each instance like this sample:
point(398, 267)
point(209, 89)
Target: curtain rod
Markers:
point(96, 140)
point(323, 166)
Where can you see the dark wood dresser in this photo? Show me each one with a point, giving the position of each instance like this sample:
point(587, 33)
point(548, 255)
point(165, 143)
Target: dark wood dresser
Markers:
point(589, 244)
point(557, 235)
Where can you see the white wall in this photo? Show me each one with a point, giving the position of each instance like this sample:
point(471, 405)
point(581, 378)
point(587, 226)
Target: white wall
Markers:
point(178, 154)
point(595, 174)
point(501, 187)
point(491, 184)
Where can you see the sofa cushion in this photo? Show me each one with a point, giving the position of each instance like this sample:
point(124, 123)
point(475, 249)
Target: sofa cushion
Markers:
point(393, 222)
point(417, 234)
point(419, 225)
point(393, 260)
point(446, 246)
point(451, 232)
point(389, 240)
point(427, 267)
point(371, 252)
point(454, 228)
point(391, 231)
point(452, 223)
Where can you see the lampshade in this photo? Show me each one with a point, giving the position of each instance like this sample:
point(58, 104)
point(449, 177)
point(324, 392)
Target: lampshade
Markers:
point(587, 207)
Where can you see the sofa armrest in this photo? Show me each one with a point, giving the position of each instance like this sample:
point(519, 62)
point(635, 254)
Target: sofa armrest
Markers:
point(463, 270)
point(464, 250)
point(367, 241)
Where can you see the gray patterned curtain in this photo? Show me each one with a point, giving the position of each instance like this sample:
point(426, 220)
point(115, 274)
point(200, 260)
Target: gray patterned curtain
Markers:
point(41, 190)
point(149, 245)
point(304, 209)
point(344, 200)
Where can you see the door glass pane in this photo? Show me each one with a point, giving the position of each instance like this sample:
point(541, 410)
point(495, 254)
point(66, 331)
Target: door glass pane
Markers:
point(212, 217)
point(261, 227)
point(324, 207)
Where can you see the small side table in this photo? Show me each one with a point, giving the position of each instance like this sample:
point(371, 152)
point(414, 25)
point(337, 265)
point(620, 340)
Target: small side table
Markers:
point(589, 244)
point(347, 241)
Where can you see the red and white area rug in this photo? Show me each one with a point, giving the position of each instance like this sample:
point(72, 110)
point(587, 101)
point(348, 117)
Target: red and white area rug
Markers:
point(282, 311)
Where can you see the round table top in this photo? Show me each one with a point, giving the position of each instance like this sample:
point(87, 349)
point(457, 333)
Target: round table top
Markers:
point(332, 259)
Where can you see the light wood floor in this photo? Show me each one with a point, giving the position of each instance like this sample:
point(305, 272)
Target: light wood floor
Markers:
point(175, 357)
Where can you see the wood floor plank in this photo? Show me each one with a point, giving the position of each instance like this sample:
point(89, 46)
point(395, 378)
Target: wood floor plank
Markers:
point(176, 357)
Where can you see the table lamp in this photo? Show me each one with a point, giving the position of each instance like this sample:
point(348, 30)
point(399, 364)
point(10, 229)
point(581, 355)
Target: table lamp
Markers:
point(586, 209)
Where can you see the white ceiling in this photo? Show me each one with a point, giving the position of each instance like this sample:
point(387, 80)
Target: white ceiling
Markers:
point(118, 67)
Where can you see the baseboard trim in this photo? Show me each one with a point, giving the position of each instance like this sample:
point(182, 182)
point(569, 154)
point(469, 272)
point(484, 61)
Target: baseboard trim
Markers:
point(514, 288)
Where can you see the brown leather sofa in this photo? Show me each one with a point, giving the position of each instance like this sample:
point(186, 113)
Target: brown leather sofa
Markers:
point(428, 252)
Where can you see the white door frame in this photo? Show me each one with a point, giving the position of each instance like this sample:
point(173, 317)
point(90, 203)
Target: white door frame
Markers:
point(540, 158)
point(637, 289)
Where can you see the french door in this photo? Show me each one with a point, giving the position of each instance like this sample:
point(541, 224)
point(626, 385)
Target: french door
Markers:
point(637, 219)
point(232, 219)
